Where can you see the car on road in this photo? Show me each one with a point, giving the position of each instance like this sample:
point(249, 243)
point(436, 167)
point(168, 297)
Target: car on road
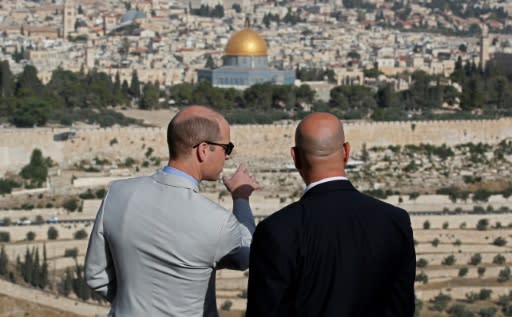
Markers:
point(53, 219)
point(23, 222)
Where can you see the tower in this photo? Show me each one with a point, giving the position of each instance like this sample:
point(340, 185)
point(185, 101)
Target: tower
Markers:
point(89, 55)
point(69, 18)
point(484, 47)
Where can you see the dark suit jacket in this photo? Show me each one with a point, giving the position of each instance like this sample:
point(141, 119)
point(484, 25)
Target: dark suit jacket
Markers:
point(336, 252)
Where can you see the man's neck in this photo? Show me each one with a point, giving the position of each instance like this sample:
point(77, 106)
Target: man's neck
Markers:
point(184, 167)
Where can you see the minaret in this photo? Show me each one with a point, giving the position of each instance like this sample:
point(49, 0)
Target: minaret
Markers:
point(484, 47)
point(90, 53)
point(69, 17)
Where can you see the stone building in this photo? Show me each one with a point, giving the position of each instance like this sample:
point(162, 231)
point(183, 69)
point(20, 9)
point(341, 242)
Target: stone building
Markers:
point(245, 63)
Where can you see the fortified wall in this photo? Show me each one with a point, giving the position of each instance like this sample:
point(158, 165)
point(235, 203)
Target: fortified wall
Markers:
point(268, 144)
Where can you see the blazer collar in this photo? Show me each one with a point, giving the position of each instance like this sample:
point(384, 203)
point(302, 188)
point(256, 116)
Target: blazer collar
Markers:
point(174, 180)
point(335, 185)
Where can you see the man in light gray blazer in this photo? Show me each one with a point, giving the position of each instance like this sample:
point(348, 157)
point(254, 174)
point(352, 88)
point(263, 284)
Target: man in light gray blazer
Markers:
point(157, 242)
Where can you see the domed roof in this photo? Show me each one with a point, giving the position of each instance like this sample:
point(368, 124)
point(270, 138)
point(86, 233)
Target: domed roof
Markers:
point(246, 42)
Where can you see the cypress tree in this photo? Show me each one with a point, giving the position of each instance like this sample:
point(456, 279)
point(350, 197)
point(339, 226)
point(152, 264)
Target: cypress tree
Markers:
point(26, 267)
point(6, 80)
point(43, 281)
point(135, 85)
point(3, 262)
point(36, 269)
point(67, 283)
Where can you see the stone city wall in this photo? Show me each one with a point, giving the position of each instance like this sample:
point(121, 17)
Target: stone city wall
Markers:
point(265, 143)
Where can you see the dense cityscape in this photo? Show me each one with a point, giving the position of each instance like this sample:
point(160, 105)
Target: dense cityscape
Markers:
point(87, 88)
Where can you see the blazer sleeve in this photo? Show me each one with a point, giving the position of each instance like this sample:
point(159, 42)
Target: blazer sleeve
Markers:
point(402, 301)
point(99, 269)
point(236, 237)
point(271, 274)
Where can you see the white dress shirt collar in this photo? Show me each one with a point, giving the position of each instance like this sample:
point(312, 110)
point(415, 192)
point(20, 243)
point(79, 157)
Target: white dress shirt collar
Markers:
point(325, 180)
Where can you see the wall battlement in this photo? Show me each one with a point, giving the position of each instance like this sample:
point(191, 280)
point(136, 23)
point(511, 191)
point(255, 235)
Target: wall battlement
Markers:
point(254, 142)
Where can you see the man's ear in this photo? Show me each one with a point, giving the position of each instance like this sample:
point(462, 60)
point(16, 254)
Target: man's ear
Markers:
point(346, 152)
point(202, 152)
point(296, 157)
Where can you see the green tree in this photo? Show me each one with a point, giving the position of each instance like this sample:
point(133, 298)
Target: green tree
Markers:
point(67, 283)
point(52, 233)
point(30, 112)
point(43, 281)
point(134, 89)
point(463, 271)
point(449, 260)
point(80, 234)
point(70, 204)
point(440, 302)
point(5, 236)
point(475, 259)
point(37, 170)
point(504, 274)
point(482, 224)
point(421, 263)
point(28, 84)
point(210, 63)
point(150, 96)
point(499, 259)
point(6, 80)
point(4, 260)
point(30, 236)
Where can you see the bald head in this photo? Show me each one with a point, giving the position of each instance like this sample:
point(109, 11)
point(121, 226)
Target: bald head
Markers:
point(190, 126)
point(320, 149)
point(319, 135)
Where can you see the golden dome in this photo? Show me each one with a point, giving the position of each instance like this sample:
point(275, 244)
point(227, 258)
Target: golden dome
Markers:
point(246, 42)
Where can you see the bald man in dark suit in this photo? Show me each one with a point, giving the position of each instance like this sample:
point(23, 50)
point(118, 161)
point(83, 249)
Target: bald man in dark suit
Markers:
point(335, 252)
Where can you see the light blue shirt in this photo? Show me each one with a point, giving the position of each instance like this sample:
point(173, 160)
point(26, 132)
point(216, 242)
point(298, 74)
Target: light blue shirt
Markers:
point(174, 171)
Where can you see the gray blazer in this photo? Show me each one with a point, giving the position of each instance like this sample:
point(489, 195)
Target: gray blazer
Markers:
point(157, 242)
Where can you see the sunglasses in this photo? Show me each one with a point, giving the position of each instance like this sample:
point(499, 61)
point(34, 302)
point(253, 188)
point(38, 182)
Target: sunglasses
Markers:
point(228, 148)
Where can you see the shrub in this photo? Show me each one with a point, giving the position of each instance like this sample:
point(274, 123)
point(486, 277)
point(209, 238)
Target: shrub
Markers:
point(421, 263)
point(504, 275)
point(445, 225)
point(449, 260)
point(31, 235)
point(426, 225)
point(475, 259)
point(39, 220)
point(440, 302)
point(481, 195)
point(435, 242)
point(463, 271)
point(499, 259)
point(499, 241)
point(482, 224)
point(80, 234)
point(459, 309)
point(100, 193)
point(87, 195)
point(485, 294)
point(457, 242)
point(226, 305)
point(5, 236)
point(488, 311)
point(52, 233)
point(7, 221)
point(71, 253)
point(70, 204)
point(481, 271)
point(422, 278)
